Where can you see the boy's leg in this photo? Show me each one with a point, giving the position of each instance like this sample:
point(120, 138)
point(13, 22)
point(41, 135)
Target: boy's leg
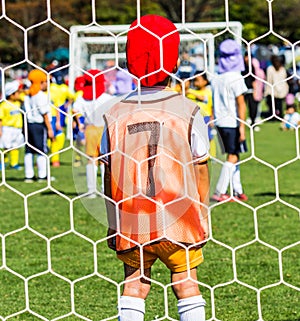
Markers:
point(14, 157)
point(91, 177)
point(136, 289)
point(192, 308)
point(56, 146)
point(28, 163)
point(131, 308)
point(191, 305)
point(41, 161)
point(224, 178)
point(236, 181)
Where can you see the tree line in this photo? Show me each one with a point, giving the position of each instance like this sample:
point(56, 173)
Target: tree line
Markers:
point(52, 25)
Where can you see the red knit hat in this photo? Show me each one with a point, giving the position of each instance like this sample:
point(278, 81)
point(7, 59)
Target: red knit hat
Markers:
point(93, 78)
point(143, 48)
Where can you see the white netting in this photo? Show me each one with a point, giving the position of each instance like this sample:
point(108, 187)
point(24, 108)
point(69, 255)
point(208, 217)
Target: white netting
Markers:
point(55, 264)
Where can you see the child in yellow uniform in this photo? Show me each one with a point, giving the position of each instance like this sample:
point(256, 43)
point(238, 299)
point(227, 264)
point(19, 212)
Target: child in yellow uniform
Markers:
point(202, 95)
point(60, 95)
point(11, 123)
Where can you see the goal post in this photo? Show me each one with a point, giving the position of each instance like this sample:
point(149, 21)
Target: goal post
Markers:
point(92, 46)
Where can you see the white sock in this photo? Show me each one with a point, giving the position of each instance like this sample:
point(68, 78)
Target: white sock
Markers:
point(102, 168)
point(41, 162)
point(28, 164)
point(191, 309)
point(224, 178)
point(236, 180)
point(91, 177)
point(131, 309)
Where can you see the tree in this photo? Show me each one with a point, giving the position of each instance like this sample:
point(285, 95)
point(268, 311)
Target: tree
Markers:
point(254, 15)
point(124, 11)
point(286, 19)
point(195, 10)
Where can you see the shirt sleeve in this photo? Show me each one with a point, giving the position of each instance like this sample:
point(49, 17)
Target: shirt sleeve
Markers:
point(43, 103)
point(239, 87)
point(199, 139)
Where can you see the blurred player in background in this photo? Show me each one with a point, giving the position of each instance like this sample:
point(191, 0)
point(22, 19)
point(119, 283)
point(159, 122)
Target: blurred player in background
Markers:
point(92, 106)
point(201, 93)
point(61, 97)
point(11, 123)
point(38, 115)
point(230, 115)
point(78, 122)
point(157, 172)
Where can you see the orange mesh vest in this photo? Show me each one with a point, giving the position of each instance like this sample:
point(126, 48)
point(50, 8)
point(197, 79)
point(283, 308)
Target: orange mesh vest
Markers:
point(153, 185)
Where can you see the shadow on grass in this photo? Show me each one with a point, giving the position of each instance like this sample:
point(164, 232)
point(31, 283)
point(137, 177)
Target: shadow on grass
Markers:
point(47, 193)
point(294, 195)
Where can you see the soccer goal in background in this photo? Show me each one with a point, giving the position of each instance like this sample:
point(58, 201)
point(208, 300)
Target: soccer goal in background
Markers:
point(93, 46)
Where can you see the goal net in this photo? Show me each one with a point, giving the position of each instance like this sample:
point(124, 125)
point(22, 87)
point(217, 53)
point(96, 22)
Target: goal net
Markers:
point(55, 263)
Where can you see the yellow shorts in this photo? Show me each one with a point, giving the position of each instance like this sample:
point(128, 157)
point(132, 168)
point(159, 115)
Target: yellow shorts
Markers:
point(93, 136)
point(172, 255)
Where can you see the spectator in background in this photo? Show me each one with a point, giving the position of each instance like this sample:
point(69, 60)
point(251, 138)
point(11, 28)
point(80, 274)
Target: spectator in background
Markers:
point(38, 115)
point(258, 90)
point(277, 86)
point(186, 68)
point(11, 123)
point(110, 77)
point(185, 71)
point(230, 114)
point(124, 82)
point(197, 57)
point(291, 117)
point(255, 85)
point(250, 81)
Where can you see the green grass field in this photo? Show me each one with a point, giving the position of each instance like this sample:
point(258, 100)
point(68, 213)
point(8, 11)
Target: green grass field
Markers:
point(54, 253)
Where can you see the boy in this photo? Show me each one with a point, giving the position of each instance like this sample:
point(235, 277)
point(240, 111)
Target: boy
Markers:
point(11, 122)
point(38, 116)
point(156, 176)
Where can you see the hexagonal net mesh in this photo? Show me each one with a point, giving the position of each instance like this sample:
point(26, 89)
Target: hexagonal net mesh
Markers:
point(55, 260)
